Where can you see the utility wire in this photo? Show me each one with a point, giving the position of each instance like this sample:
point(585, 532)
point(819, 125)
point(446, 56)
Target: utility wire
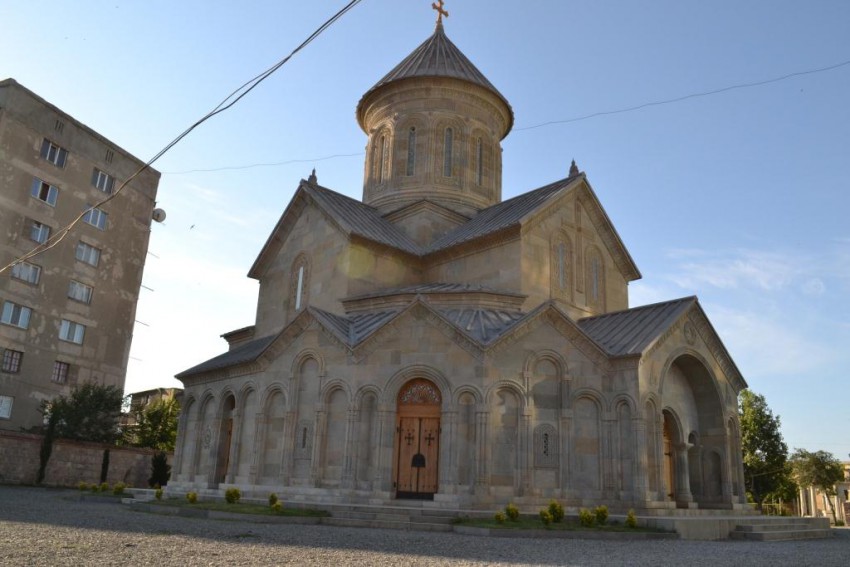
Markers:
point(225, 104)
point(253, 165)
point(686, 97)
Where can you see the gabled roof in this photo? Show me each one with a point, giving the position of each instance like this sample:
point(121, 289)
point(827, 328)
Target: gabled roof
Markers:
point(247, 352)
point(630, 332)
point(351, 216)
point(437, 56)
point(501, 215)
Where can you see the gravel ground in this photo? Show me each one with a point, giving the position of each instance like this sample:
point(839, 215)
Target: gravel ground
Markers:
point(50, 527)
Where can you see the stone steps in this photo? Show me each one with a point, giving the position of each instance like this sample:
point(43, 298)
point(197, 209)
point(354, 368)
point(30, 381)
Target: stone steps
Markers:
point(781, 529)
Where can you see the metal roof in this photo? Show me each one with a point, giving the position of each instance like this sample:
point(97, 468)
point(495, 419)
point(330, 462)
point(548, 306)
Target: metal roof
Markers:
point(500, 216)
point(357, 218)
point(630, 332)
point(247, 352)
point(484, 325)
point(436, 287)
point(437, 56)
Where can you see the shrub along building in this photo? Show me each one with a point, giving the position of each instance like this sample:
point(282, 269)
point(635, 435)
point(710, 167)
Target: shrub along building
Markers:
point(435, 342)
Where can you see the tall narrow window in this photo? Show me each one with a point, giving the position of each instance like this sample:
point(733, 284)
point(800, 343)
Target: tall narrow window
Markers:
point(448, 143)
point(382, 167)
point(562, 266)
point(411, 151)
point(300, 288)
point(595, 278)
point(479, 156)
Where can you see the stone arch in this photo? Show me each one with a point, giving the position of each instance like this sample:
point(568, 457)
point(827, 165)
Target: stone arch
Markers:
point(207, 409)
point(244, 389)
point(271, 390)
point(515, 387)
point(226, 417)
point(379, 160)
point(625, 441)
point(624, 399)
point(469, 389)
point(245, 430)
point(274, 406)
point(302, 357)
point(336, 398)
point(401, 377)
point(367, 431)
point(547, 354)
point(411, 164)
point(481, 162)
point(652, 420)
point(506, 403)
point(586, 442)
point(332, 385)
point(186, 435)
point(308, 367)
point(364, 391)
point(457, 158)
point(468, 402)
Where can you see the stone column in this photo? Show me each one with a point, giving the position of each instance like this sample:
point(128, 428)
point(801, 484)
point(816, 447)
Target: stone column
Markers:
point(235, 444)
point(260, 432)
point(640, 487)
point(386, 433)
point(287, 448)
point(350, 455)
point(683, 485)
point(525, 456)
point(316, 459)
point(608, 486)
point(564, 451)
point(448, 452)
point(482, 456)
point(661, 480)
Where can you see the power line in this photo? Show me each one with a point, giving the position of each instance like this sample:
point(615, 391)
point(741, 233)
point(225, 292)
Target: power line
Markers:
point(253, 165)
point(228, 101)
point(686, 97)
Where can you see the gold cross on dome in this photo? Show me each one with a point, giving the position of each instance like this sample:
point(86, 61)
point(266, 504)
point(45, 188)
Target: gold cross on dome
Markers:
point(438, 5)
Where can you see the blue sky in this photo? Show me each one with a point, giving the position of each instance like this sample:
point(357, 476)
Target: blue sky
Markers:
point(740, 198)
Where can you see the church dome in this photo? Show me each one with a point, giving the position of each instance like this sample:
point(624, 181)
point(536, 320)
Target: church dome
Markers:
point(434, 124)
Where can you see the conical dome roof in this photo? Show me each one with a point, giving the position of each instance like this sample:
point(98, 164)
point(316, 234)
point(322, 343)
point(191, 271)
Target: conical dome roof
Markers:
point(436, 57)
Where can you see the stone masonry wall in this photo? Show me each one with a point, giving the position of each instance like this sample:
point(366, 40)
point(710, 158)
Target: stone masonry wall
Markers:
point(71, 461)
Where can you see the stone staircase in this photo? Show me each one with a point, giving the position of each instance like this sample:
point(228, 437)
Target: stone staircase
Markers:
point(392, 517)
point(772, 528)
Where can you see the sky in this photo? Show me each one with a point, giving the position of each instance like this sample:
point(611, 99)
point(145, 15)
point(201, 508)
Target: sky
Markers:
point(738, 197)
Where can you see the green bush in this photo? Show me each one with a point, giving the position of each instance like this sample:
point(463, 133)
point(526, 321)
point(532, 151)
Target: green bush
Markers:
point(83, 486)
point(586, 518)
point(500, 517)
point(95, 487)
point(556, 510)
point(118, 489)
point(277, 506)
point(192, 497)
point(545, 517)
point(512, 512)
point(104, 487)
point(273, 499)
point(601, 514)
point(232, 495)
point(158, 494)
point(631, 520)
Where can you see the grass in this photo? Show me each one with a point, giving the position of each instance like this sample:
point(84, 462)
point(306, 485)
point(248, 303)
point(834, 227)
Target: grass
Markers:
point(534, 523)
point(240, 508)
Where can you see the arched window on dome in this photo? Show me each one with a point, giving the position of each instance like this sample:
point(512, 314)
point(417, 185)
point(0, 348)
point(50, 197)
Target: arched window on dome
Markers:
point(479, 161)
point(448, 146)
point(384, 158)
point(411, 151)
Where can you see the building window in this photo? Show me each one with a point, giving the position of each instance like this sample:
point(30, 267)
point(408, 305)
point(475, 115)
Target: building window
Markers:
point(44, 191)
point(595, 279)
point(53, 153)
point(382, 166)
point(27, 272)
point(72, 332)
point(80, 292)
point(561, 266)
point(479, 156)
point(411, 150)
point(15, 315)
point(88, 254)
point(59, 126)
point(109, 155)
point(96, 217)
point(6, 407)
point(60, 372)
point(39, 232)
point(300, 282)
point(448, 143)
point(102, 181)
point(12, 361)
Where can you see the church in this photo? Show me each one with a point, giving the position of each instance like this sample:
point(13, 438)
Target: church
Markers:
point(434, 342)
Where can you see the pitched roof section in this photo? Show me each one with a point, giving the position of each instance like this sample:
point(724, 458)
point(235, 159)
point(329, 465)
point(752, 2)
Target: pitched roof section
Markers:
point(434, 288)
point(630, 332)
point(501, 215)
point(437, 56)
point(248, 352)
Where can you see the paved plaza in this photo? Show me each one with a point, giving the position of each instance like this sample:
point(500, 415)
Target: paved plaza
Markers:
point(51, 527)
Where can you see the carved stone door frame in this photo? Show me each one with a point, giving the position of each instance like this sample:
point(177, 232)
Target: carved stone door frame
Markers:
point(417, 440)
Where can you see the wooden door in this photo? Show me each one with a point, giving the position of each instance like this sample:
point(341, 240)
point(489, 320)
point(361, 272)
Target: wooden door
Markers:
point(417, 446)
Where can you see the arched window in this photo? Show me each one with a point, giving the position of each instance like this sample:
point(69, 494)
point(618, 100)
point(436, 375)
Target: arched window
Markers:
point(300, 277)
point(479, 158)
point(382, 167)
point(411, 151)
point(595, 278)
point(448, 143)
point(561, 266)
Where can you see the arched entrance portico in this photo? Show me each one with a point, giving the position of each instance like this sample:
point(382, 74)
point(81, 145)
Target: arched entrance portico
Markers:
point(417, 440)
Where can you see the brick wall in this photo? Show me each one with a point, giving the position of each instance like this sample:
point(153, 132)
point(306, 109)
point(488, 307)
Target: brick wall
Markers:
point(71, 461)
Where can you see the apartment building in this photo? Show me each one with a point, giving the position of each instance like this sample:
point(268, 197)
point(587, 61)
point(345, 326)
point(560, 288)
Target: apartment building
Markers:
point(67, 314)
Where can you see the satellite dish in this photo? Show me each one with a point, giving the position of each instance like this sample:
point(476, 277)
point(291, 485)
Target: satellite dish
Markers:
point(158, 215)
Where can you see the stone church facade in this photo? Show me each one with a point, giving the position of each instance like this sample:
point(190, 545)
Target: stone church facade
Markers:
point(434, 342)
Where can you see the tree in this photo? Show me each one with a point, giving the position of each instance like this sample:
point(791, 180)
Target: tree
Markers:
point(156, 425)
point(819, 469)
point(89, 413)
point(766, 474)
